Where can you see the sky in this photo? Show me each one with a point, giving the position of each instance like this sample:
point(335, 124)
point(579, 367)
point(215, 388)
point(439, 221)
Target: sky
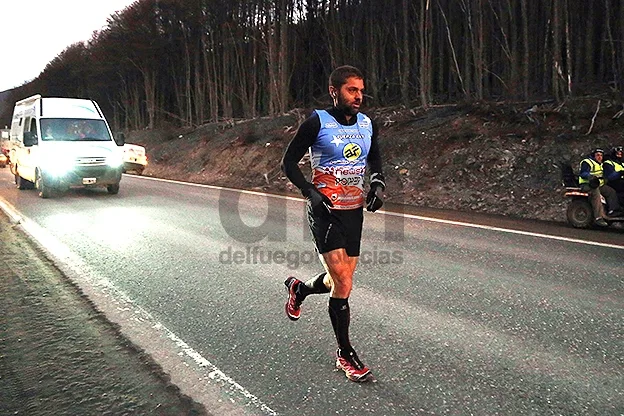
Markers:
point(34, 32)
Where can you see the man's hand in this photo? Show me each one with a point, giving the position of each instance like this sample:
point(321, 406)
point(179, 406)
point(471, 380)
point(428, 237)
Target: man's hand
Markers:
point(321, 204)
point(373, 199)
point(377, 186)
point(594, 182)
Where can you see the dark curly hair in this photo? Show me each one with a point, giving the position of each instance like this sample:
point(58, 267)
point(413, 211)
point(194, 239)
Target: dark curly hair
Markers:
point(340, 75)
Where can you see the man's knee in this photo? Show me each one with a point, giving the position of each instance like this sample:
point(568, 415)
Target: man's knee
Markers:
point(342, 279)
point(341, 268)
point(342, 284)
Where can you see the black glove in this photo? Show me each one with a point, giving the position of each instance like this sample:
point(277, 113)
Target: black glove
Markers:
point(594, 182)
point(377, 186)
point(320, 204)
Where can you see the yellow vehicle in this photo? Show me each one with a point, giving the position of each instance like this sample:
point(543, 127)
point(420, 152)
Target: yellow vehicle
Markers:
point(4, 147)
point(134, 158)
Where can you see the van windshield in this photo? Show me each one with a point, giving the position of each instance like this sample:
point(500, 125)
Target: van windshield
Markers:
point(73, 130)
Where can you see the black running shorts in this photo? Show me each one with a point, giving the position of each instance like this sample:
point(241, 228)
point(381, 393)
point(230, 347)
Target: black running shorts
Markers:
point(340, 229)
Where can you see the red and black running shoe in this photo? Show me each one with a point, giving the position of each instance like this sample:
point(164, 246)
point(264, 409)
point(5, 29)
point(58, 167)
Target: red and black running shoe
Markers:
point(354, 369)
point(293, 306)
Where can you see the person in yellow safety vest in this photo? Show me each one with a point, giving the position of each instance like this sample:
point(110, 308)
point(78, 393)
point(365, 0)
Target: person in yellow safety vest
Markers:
point(591, 180)
point(614, 171)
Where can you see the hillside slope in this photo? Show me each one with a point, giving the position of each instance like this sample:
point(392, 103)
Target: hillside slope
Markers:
point(497, 158)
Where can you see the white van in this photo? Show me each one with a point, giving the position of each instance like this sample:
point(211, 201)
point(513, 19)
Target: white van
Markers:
point(58, 143)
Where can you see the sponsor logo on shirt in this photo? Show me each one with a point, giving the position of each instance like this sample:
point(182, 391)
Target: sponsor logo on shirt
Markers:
point(355, 135)
point(331, 125)
point(337, 141)
point(352, 151)
point(365, 122)
point(342, 170)
point(348, 181)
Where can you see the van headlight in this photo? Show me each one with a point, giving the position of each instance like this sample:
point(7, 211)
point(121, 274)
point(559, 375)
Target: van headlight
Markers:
point(58, 165)
point(114, 161)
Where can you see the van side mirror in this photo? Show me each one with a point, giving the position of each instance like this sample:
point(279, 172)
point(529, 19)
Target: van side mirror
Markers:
point(120, 138)
point(30, 138)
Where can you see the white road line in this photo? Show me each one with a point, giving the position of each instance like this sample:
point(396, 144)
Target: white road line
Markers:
point(214, 372)
point(74, 266)
point(222, 188)
point(417, 217)
point(507, 230)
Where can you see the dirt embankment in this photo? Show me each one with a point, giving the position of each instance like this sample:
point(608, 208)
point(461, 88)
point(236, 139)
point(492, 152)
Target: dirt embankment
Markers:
point(497, 158)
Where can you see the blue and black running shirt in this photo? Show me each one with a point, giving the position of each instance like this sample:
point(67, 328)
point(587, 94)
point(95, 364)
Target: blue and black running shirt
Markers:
point(340, 152)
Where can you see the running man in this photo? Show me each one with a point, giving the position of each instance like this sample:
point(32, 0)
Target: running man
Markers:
point(342, 144)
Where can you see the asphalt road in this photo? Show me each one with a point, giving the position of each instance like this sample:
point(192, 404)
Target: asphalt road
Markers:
point(454, 314)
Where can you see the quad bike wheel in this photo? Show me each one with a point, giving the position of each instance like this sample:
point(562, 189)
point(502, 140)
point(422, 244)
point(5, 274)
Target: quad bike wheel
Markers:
point(580, 214)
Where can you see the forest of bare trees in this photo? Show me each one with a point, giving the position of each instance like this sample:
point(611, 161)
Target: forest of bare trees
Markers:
point(189, 62)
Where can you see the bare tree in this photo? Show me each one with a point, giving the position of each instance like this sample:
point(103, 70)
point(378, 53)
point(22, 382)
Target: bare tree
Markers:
point(614, 57)
point(525, 49)
point(193, 61)
point(425, 54)
point(456, 68)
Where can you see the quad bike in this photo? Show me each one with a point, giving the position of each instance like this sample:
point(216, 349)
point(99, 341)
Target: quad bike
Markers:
point(579, 212)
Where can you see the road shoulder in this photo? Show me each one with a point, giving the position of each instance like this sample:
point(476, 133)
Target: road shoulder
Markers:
point(58, 355)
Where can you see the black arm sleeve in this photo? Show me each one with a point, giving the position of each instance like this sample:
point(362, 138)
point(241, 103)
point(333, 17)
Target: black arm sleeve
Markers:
point(374, 154)
point(299, 145)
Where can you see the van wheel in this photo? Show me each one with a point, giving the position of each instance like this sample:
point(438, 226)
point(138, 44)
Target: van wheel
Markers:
point(22, 183)
point(113, 189)
point(580, 213)
point(45, 191)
